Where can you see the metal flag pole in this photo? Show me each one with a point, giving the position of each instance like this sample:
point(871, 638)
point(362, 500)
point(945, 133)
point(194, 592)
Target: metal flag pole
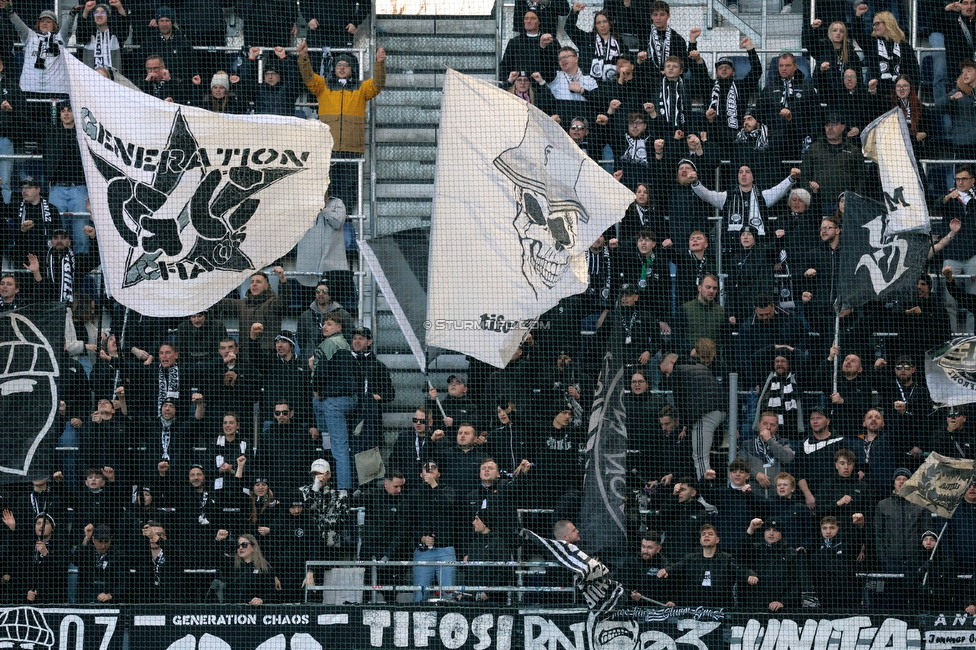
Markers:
point(938, 540)
point(836, 342)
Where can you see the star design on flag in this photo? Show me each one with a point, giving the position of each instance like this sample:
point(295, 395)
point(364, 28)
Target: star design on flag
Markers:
point(189, 213)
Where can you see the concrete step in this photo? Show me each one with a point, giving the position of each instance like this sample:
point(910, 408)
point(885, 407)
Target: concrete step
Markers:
point(406, 170)
point(408, 115)
point(389, 209)
point(469, 26)
point(393, 152)
point(410, 97)
point(422, 190)
point(427, 79)
point(391, 225)
point(439, 62)
point(462, 44)
point(396, 135)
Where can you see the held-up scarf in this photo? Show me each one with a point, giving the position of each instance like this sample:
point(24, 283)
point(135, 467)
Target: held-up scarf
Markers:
point(787, 94)
point(742, 209)
point(757, 139)
point(606, 53)
point(169, 384)
point(60, 269)
point(48, 44)
point(890, 59)
point(731, 102)
point(670, 103)
point(660, 50)
point(165, 436)
point(103, 48)
point(636, 150)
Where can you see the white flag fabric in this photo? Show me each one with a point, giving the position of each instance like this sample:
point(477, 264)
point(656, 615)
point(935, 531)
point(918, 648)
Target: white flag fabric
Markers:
point(888, 142)
point(516, 205)
point(950, 372)
point(188, 203)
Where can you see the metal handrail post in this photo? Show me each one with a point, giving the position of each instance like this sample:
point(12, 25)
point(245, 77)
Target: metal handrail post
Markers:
point(733, 415)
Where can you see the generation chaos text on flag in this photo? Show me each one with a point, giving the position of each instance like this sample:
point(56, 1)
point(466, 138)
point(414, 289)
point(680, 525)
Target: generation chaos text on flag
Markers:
point(188, 203)
point(939, 484)
point(888, 142)
point(950, 372)
point(603, 525)
point(516, 205)
point(30, 339)
point(873, 264)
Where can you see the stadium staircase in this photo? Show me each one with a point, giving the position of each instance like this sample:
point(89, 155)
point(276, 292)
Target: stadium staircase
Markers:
point(407, 117)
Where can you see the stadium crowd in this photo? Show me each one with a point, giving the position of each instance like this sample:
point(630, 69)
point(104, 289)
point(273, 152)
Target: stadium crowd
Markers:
point(162, 479)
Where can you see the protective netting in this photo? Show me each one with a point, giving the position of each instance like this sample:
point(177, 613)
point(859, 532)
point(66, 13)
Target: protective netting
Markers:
point(680, 326)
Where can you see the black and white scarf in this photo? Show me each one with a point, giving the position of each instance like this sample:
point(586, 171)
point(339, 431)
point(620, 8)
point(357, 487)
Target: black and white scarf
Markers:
point(780, 395)
point(102, 45)
point(745, 208)
point(636, 150)
point(758, 139)
point(763, 453)
point(169, 386)
point(599, 267)
point(660, 49)
point(606, 53)
point(731, 102)
point(45, 213)
point(788, 93)
point(47, 45)
point(671, 106)
point(60, 270)
point(165, 436)
point(889, 59)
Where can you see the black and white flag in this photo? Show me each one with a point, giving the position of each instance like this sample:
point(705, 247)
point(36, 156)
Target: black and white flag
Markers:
point(188, 203)
point(516, 206)
point(888, 142)
point(873, 264)
point(30, 339)
point(950, 372)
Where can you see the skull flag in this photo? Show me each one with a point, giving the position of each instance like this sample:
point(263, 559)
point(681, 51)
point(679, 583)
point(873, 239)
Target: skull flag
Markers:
point(30, 373)
point(874, 264)
point(516, 205)
point(188, 203)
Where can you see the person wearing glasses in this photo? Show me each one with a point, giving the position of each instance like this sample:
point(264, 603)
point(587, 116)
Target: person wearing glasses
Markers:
point(310, 322)
point(103, 28)
point(955, 440)
point(249, 577)
point(910, 409)
point(888, 53)
point(579, 130)
point(568, 86)
point(292, 438)
point(420, 445)
point(285, 378)
point(958, 245)
point(436, 528)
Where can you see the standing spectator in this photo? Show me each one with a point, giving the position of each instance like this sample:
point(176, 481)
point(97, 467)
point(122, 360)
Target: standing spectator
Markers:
point(775, 564)
point(292, 438)
point(639, 572)
point(38, 564)
point(249, 578)
point(342, 105)
point(959, 104)
point(337, 383)
point(311, 320)
point(220, 98)
point(709, 576)
point(280, 87)
point(813, 463)
point(377, 391)
point(322, 255)
point(528, 53)
point(897, 524)
point(768, 456)
point(959, 227)
point(486, 544)
point(326, 506)
point(599, 48)
point(161, 84)
point(681, 517)
point(887, 52)
point(198, 338)
point(285, 377)
point(159, 574)
point(33, 221)
point(906, 99)
point(435, 532)
point(730, 97)
point(834, 52)
point(700, 400)
point(703, 317)
point(414, 448)
point(103, 34)
point(834, 563)
point(834, 164)
point(568, 87)
point(387, 528)
point(13, 110)
point(262, 307)
point(663, 41)
point(789, 106)
point(733, 498)
point(44, 73)
point(103, 573)
point(548, 12)
point(170, 42)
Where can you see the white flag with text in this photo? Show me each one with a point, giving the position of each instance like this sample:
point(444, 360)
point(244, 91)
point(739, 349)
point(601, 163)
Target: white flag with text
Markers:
point(188, 203)
point(516, 205)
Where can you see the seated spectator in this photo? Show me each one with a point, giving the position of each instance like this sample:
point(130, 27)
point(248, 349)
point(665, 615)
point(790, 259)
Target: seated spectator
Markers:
point(708, 577)
point(887, 52)
point(730, 97)
point(751, 275)
point(834, 563)
point(680, 516)
point(795, 519)
point(958, 103)
point(664, 41)
point(221, 99)
point(103, 28)
point(768, 456)
point(458, 406)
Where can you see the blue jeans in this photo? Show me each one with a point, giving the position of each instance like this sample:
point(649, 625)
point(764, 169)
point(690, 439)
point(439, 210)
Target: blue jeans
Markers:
point(72, 199)
point(6, 167)
point(70, 438)
point(939, 72)
point(424, 575)
point(330, 415)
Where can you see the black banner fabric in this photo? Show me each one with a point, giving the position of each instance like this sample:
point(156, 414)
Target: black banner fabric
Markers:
point(31, 340)
point(453, 627)
point(61, 628)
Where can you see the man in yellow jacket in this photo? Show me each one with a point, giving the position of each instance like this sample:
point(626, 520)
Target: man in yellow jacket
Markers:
point(342, 105)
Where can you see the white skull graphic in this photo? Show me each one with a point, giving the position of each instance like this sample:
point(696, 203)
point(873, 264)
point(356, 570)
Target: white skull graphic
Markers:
point(548, 210)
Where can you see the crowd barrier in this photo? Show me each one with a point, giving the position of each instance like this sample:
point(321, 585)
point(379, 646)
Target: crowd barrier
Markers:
point(455, 627)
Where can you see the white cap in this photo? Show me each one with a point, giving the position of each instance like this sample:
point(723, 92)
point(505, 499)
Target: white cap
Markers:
point(320, 466)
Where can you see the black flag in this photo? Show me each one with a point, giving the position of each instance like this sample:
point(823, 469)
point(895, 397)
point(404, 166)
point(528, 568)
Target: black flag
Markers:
point(30, 339)
point(872, 263)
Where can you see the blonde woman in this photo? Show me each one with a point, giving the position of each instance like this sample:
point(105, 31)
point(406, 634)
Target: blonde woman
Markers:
point(249, 579)
point(834, 52)
point(887, 52)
